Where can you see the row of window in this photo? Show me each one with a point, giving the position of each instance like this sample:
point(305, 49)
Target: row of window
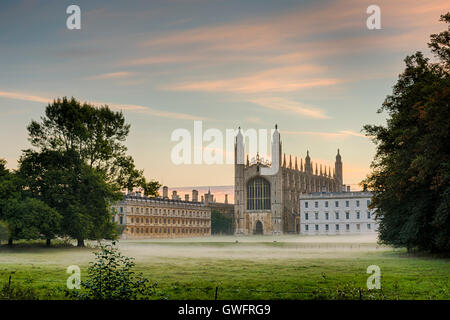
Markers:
point(337, 215)
point(336, 204)
point(337, 227)
point(169, 221)
point(164, 211)
point(168, 230)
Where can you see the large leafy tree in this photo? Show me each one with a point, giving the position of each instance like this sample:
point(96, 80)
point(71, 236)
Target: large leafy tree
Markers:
point(30, 218)
point(25, 217)
point(79, 164)
point(411, 169)
point(95, 135)
point(79, 192)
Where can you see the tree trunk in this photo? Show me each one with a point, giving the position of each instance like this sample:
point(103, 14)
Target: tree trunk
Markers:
point(48, 242)
point(80, 243)
point(10, 242)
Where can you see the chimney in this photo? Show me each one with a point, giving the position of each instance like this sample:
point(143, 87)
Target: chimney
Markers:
point(165, 192)
point(194, 196)
point(174, 195)
point(202, 199)
point(348, 188)
point(226, 198)
point(365, 187)
point(186, 197)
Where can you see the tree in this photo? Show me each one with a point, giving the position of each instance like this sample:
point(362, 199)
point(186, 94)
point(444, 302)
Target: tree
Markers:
point(30, 219)
point(4, 231)
point(411, 169)
point(79, 192)
point(221, 224)
point(9, 186)
point(79, 165)
point(95, 135)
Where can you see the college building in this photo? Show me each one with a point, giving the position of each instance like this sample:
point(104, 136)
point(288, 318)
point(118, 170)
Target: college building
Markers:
point(144, 217)
point(337, 213)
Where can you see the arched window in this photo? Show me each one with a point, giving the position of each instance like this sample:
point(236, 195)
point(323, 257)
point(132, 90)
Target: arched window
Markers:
point(258, 194)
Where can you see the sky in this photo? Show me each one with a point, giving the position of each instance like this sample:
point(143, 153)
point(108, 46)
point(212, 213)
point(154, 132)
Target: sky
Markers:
point(312, 67)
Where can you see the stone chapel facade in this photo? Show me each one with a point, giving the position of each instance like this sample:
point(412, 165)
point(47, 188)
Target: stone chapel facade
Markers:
point(270, 204)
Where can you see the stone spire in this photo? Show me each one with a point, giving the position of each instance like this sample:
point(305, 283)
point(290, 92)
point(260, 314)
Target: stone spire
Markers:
point(301, 164)
point(290, 161)
point(338, 168)
point(284, 160)
point(308, 164)
point(296, 166)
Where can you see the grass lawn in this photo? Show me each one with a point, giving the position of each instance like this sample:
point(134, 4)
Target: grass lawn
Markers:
point(293, 267)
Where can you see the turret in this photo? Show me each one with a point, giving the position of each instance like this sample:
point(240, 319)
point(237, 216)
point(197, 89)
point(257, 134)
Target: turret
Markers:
point(338, 168)
point(308, 165)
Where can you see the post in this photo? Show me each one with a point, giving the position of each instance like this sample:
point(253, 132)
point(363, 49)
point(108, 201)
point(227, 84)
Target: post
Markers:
point(215, 297)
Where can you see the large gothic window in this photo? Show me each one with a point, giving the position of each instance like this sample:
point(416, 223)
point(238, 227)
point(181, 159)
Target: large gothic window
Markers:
point(258, 194)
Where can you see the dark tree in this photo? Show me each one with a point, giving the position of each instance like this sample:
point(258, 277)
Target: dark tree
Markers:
point(79, 164)
point(96, 135)
point(4, 231)
point(30, 219)
point(221, 224)
point(411, 169)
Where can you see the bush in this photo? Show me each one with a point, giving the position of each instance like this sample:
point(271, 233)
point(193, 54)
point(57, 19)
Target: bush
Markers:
point(110, 277)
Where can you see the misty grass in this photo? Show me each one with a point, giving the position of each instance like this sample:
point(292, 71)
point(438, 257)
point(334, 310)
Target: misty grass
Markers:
point(403, 276)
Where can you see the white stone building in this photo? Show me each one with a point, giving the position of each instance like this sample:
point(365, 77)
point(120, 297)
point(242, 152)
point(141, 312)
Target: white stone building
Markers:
point(336, 213)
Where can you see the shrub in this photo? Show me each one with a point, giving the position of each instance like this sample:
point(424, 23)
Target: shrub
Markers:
point(110, 277)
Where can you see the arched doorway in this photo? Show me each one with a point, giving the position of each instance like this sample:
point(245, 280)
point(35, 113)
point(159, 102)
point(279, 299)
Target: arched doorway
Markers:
point(259, 227)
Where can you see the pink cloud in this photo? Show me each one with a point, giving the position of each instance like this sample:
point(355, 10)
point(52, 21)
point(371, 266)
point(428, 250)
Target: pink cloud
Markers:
point(286, 105)
point(113, 75)
point(282, 79)
point(123, 107)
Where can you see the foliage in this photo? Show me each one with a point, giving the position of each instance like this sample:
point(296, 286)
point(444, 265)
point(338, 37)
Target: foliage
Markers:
point(411, 169)
point(111, 277)
point(95, 135)
point(26, 217)
point(9, 186)
point(4, 231)
point(79, 165)
point(221, 224)
point(30, 219)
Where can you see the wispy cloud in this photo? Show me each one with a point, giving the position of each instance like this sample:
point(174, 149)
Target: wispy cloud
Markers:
point(283, 79)
point(113, 75)
point(327, 135)
point(23, 96)
point(286, 105)
point(122, 107)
